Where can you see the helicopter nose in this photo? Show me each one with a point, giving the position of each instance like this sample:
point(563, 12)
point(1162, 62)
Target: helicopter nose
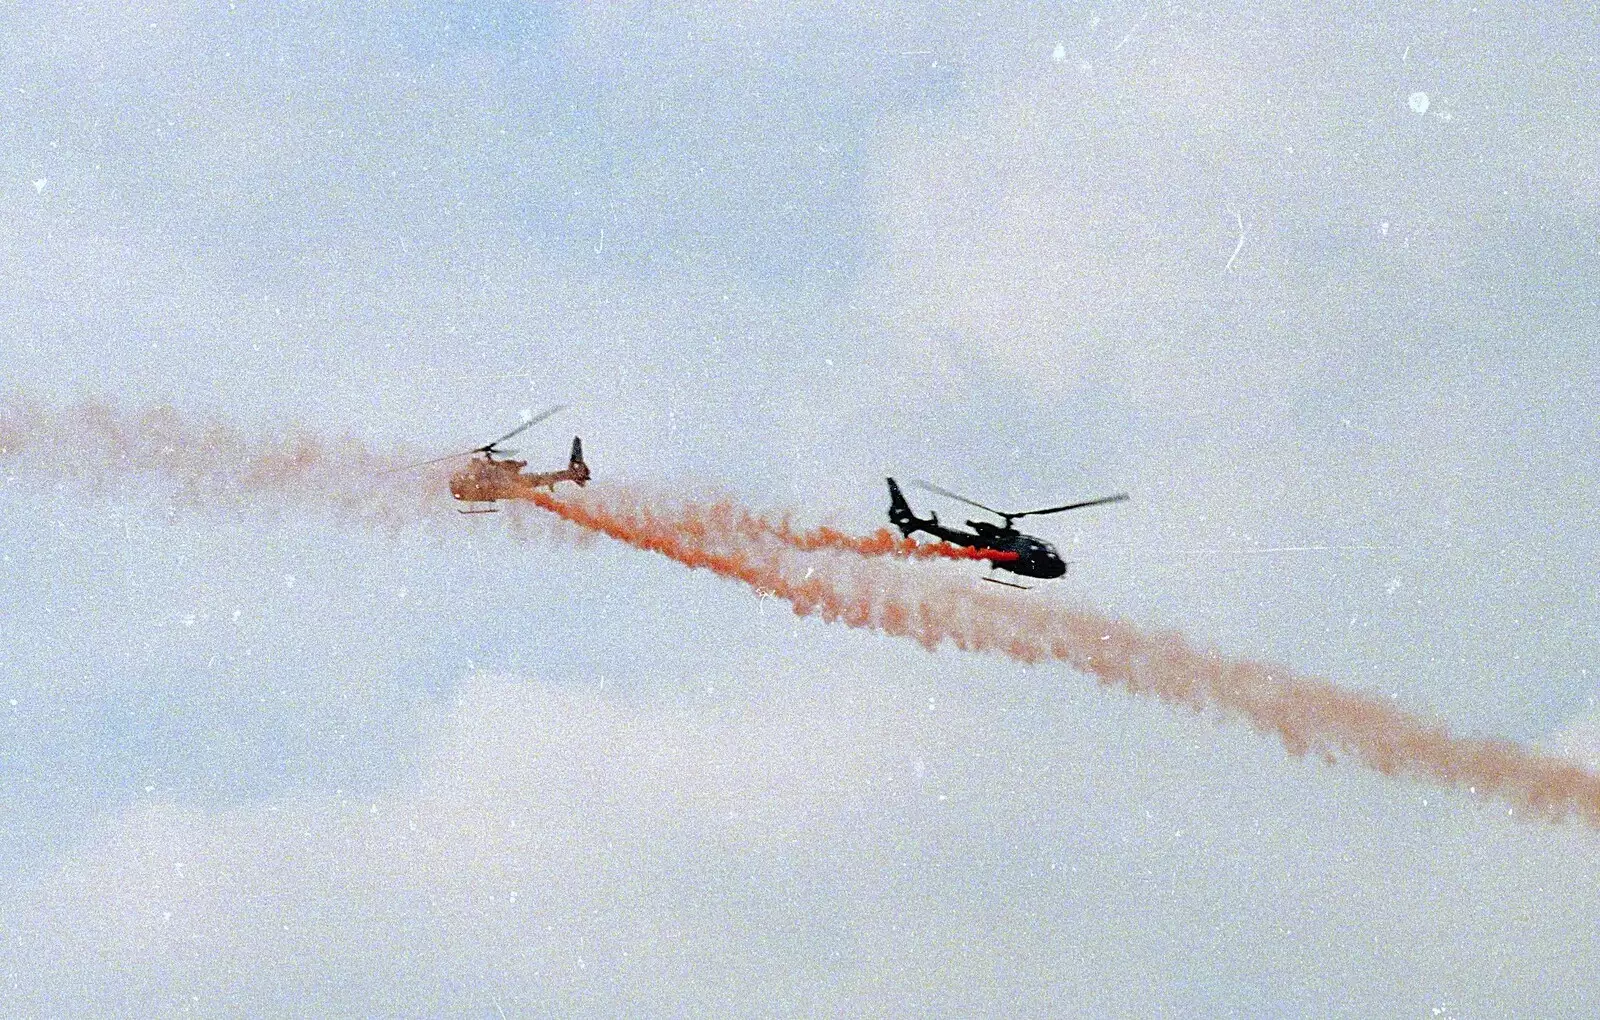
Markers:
point(1053, 564)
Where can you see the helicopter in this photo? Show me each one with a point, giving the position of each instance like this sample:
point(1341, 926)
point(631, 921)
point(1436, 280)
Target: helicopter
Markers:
point(1028, 556)
point(485, 479)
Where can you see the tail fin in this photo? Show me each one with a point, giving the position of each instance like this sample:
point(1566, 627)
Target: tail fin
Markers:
point(575, 464)
point(900, 514)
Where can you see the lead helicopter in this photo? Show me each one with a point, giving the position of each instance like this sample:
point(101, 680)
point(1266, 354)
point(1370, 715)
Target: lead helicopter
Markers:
point(485, 479)
point(1026, 555)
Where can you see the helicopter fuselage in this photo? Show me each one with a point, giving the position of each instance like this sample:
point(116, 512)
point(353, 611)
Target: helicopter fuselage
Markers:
point(1016, 552)
point(483, 480)
point(1013, 551)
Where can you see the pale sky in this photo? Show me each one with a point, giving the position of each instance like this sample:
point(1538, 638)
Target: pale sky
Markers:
point(264, 759)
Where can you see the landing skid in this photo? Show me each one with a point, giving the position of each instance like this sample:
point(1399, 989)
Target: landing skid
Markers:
point(1008, 584)
point(479, 510)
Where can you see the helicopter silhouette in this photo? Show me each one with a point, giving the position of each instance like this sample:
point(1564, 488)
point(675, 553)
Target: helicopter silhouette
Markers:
point(485, 479)
point(1028, 556)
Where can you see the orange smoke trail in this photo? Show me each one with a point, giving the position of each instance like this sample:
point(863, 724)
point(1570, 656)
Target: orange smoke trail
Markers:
point(93, 444)
point(725, 517)
point(1308, 715)
point(90, 445)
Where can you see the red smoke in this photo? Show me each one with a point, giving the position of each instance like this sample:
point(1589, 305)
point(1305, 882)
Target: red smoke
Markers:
point(1309, 715)
point(94, 444)
point(706, 522)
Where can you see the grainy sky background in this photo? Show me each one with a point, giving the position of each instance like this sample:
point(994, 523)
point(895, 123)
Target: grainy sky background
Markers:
point(261, 762)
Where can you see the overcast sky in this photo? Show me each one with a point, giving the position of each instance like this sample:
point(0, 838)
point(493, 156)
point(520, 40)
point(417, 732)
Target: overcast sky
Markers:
point(1290, 278)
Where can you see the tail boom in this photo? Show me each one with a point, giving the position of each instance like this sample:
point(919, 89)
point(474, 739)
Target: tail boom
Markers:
point(576, 471)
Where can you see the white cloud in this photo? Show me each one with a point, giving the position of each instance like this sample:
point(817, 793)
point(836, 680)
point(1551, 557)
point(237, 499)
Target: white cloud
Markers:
point(793, 844)
point(1404, 389)
point(1078, 229)
point(334, 189)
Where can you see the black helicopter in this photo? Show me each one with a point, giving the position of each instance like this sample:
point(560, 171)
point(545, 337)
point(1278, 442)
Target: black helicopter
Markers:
point(1028, 556)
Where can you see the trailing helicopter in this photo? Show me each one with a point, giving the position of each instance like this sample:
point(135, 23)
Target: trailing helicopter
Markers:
point(1028, 556)
point(485, 479)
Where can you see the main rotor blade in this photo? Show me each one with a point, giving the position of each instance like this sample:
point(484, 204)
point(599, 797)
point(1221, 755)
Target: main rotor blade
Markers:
point(930, 487)
point(486, 447)
point(1118, 498)
point(530, 423)
point(425, 463)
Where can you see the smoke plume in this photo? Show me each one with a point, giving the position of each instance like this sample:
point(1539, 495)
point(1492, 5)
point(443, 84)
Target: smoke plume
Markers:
point(726, 518)
point(93, 446)
point(1309, 715)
